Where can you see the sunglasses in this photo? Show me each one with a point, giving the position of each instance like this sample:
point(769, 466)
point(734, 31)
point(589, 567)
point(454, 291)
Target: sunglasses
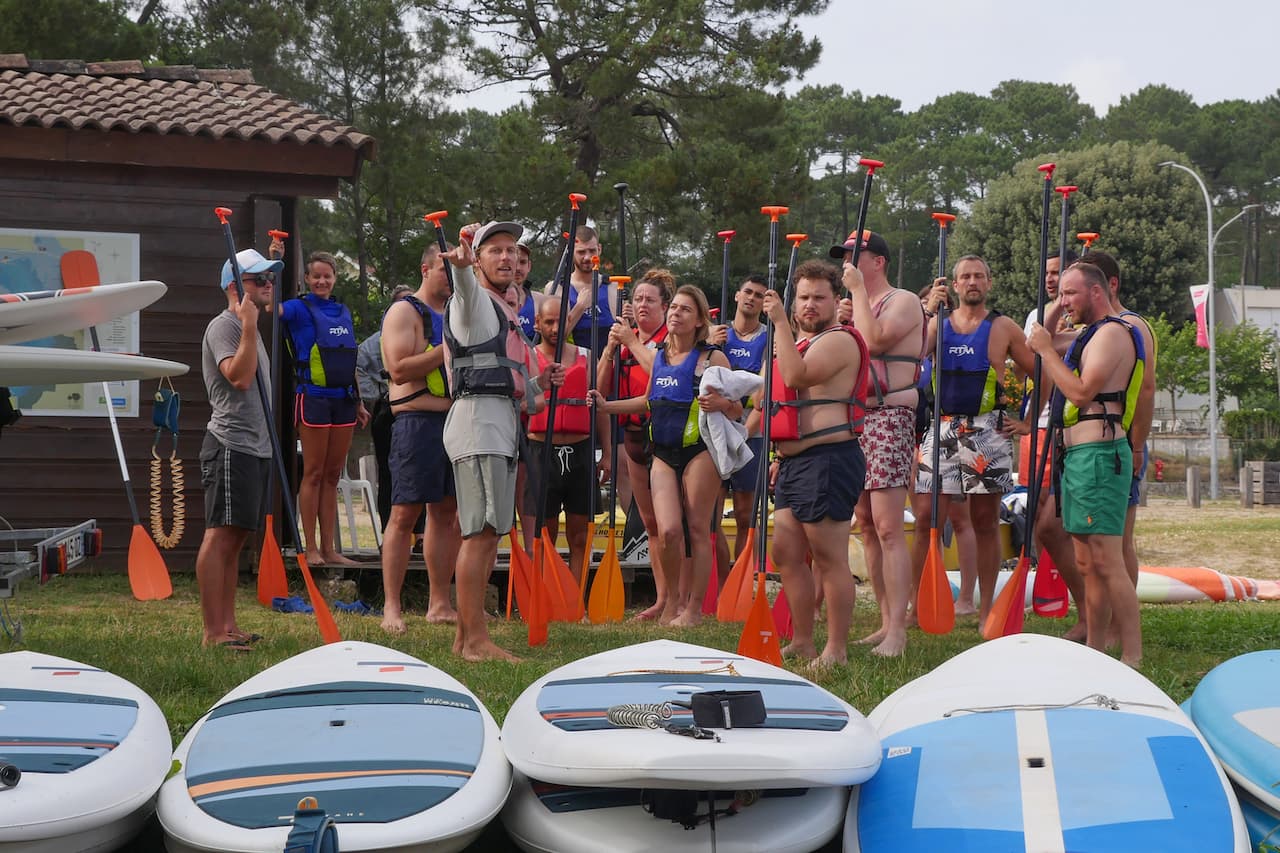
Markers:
point(260, 277)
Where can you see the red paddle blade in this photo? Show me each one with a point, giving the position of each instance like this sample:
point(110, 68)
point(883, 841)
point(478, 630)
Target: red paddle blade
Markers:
point(759, 638)
point(1049, 596)
point(148, 576)
point(519, 579)
point(935, 608)
point(712, 596)
point(539, 611)
point(608, 598)
point(272, 580)
point(79, 269)
point(782, 616)
point(1008, 611)
point(737, 587)
point(324, 619)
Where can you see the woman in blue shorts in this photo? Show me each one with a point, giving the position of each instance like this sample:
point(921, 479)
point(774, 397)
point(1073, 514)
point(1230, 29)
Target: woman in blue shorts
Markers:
point(321, 338)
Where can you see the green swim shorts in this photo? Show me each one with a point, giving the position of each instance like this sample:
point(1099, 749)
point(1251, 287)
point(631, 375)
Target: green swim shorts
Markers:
point(1095, 487)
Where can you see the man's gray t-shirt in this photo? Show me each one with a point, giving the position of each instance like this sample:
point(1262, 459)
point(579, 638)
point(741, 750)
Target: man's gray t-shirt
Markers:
point(479, 425)
point(237, 419)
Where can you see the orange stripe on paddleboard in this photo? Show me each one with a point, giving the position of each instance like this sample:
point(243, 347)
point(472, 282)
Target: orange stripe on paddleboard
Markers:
point(1204, 580)
point(390, 669)
point(223, 786)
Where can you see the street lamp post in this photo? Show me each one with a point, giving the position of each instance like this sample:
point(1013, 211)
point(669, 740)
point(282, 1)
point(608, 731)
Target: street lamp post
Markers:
point(1218, 233)
point(1213, 348)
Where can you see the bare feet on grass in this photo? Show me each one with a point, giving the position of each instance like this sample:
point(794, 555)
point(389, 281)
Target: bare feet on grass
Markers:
point(874, 638)
point(482, 650)
point(442, 615)
point(392, 621)
point(314, 558)
point(687, 619)
point(651, 612)
point(799, 651)
point(893, 644)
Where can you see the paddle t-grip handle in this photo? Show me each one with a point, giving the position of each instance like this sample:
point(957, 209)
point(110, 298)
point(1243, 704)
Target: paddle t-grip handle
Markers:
point(944, 220)
point(797, 239)
point(1087, 237)
point(726, 235)
point(223, 214)
point(773, 211)
point(870, 165)
point(1047, 168)
point(576, 199)
point(278, 234)
point(1066, 190)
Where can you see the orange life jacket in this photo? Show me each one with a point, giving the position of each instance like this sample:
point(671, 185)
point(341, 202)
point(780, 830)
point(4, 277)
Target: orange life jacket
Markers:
point(784, 420)
point(633, 380)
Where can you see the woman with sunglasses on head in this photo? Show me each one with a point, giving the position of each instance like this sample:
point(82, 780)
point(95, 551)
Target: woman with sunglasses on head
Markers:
point(683, 478)
point(320, 334)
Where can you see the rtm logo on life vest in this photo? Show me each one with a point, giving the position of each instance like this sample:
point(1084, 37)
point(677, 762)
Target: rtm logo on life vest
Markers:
point(740, 352)
point(339, 330)
point(666, 382)
point(960, 350)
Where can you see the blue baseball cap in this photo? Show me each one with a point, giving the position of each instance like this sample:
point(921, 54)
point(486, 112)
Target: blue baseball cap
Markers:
point(250, 261)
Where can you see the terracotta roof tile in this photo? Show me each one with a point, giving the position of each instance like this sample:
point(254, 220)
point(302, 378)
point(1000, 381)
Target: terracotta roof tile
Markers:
point(179, 100)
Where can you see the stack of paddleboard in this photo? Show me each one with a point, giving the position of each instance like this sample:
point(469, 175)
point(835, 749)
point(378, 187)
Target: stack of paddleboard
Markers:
point(587, 781)
point(1033, 743)
point(42, 314)
point(82, 754)
point(1237, 709)
point(398, 754)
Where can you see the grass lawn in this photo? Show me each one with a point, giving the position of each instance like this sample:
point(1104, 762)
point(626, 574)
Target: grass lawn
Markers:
point(94, 620)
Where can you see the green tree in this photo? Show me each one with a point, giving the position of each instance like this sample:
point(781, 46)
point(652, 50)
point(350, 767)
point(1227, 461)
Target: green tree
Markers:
point(1139, 212)
point(92, 30)
point(1246, 365)
point(1182, 367)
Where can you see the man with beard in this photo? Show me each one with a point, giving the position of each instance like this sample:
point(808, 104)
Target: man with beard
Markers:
point(819, 383)
point(976, 455)
point(486, 357)
point(412, 351)
point(528, 301)
point(1093, 408)
point(581, 319)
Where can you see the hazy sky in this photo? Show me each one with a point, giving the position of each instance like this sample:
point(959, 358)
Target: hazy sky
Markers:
point(916, 50)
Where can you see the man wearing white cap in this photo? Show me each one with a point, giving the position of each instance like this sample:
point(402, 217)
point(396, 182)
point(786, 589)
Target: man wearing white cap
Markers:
point(235, 459)
point(487, 359)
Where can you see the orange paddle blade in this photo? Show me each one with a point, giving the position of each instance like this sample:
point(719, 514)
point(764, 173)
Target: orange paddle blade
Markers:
point(79, 269)
point(1049, 596)
point(272, 581)
point(324, 619)
point(539, 611)
point(608, 598)
point(735, 595)
point(1008, 611)
point(148, 576)
point(935, 608)
point(759, 638)
point(519, 579)
point(566, 603)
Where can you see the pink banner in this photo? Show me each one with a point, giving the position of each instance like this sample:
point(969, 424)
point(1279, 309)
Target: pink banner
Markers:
point(1199, 300)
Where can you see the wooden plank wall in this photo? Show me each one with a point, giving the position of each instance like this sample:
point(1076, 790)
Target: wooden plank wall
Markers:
point(63, 470)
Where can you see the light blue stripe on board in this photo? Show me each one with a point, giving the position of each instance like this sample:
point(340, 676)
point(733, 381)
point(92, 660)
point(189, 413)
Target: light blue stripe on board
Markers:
point(968, 775)
point(1097, 753)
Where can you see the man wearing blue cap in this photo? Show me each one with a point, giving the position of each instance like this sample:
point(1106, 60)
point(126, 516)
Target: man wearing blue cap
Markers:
point(235, 459)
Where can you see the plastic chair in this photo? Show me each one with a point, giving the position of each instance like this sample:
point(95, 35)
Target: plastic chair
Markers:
point(347, 489)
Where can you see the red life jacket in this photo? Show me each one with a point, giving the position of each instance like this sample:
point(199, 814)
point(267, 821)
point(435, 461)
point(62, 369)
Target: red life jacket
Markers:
point(573, 415)
point(784, 420)
point(633, 381)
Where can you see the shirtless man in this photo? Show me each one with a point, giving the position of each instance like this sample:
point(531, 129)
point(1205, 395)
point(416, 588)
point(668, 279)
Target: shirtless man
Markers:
point(892, 323)
point(1093, 409)
point(490, 381)
point(420, 473)
point(976, 458)
point(818, 382)
point(573, 472)
point(1141, 427)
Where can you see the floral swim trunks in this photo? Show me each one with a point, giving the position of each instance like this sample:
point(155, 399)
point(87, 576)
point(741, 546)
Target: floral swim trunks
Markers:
point(888, 441)
point(975, 457)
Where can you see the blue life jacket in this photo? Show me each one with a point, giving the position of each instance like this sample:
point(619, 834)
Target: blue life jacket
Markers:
point(433, 334)
point(746, 354)
point(527, 317)
point(970, 384)
point(673, 399)
point(604, 318)
point(328, 366)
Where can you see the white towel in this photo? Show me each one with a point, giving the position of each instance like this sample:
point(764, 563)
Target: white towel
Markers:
point(725, 437)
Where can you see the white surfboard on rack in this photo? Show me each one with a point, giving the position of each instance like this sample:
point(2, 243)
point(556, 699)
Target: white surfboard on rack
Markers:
point(43, 313)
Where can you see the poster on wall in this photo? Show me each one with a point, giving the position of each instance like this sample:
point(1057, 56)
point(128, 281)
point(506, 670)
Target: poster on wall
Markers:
point(29, 262)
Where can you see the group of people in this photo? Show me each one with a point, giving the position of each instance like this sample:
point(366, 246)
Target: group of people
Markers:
point(470, 356)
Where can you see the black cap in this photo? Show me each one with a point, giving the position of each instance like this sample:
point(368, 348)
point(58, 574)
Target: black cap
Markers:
point(871, 242)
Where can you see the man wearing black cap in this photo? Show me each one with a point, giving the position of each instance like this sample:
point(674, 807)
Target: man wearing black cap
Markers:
point(487, 359)
point(891, 322)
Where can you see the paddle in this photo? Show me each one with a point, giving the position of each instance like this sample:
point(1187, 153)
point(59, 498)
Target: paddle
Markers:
point(592, 438)
point(759, 635)
point(1008, 611)
point(272, 580)
point(871, 166)
point(935, 609)
point(148, 575)
point(547, 562)
point(788, 294)
point(324, 619)
point(725, 235)
point(607, 602)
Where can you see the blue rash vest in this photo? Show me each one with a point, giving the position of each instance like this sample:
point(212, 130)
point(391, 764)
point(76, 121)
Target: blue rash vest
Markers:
point(673, 399)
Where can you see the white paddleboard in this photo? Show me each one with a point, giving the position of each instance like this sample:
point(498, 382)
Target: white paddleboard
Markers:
point(400, 754)
point(545, 818)
point(21, 366)
point(1034, 743)
point(92, 748)
point(558, 730)
point(1236, 706)
point(42, 313)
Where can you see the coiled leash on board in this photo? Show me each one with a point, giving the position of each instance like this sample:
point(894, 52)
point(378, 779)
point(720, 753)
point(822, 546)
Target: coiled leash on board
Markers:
point(164, 414)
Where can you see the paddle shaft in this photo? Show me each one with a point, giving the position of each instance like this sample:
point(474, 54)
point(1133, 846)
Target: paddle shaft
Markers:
point(940, 324)
point(724, 277)
point(592, 439)
point(870, 166)
point(613, 424)
point(1033, 483)
point(762, 474)
point(563, 282)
